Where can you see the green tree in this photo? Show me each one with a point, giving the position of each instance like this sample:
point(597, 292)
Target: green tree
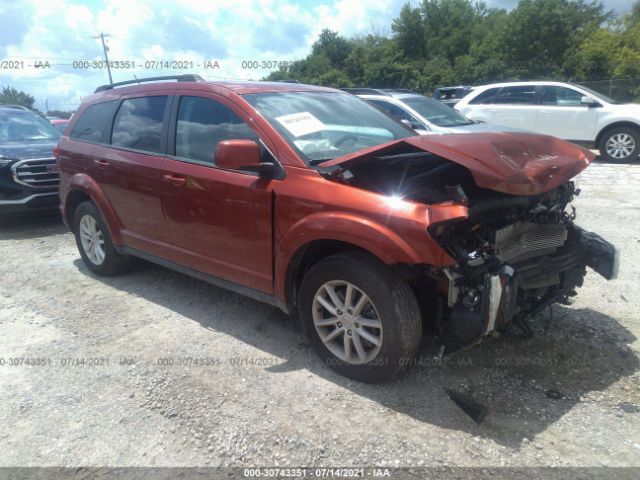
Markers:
point(448, 26)
point(11, 96)
point(335, 47)
point(596, 56)
point(409, 32)
point(444, 42)
point(539, 33)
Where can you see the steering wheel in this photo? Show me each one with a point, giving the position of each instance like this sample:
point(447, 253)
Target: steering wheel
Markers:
point(344, 138)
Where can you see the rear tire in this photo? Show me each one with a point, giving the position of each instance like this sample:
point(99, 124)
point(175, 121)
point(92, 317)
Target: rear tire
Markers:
point(94, 242)
point(620, 144)
point(359, 316)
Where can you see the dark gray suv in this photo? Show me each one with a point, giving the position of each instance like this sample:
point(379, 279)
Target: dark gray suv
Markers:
point(28, 171)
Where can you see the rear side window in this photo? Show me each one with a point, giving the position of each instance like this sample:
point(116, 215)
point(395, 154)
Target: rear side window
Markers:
point(138, 124)
point(520, 95)
point(485, 97)
point(515, 95)
point(202, 124)
point(93, 121)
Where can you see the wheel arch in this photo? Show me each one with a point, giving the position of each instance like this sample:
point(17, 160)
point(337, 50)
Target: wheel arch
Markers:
point(321, 235)
point(622, 123)
point(307, 256)
point(81, 188)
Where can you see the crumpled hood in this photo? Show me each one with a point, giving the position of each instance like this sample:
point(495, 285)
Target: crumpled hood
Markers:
point(508, 162)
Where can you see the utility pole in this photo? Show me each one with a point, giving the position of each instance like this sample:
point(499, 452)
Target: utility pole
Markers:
point(106, 58)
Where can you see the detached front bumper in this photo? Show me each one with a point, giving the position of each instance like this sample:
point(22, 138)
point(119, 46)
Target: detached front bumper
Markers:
point(601, 256)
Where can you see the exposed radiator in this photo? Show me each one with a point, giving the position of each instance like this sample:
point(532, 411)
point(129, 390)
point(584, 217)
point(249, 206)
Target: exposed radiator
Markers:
point(522, 240)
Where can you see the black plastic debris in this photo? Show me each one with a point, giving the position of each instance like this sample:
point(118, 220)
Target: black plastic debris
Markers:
point(553, 394)
point(468, 405)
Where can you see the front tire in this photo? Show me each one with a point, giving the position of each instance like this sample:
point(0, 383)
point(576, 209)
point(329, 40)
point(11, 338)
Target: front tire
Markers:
point(94, 242)
point(620, 144)
point(359, 316)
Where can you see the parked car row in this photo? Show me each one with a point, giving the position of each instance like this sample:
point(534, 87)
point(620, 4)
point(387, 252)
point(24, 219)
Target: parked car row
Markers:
point(314, 201)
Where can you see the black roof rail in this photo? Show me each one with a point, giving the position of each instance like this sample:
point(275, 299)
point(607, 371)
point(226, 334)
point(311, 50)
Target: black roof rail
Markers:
point(178, 78)
point(365, 91)
point(287, 81)
point(397, 90)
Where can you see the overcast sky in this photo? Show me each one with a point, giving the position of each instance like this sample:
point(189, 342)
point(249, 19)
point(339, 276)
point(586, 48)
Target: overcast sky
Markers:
point(227, 31)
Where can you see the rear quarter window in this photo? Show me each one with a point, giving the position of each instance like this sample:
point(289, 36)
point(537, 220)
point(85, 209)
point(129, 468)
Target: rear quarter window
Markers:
point(93, 121)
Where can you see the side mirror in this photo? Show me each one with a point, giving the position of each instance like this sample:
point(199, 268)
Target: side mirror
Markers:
point(589, 102)
point(414, 125)
point(243, 155)
point(406, 122)
point(235, 154)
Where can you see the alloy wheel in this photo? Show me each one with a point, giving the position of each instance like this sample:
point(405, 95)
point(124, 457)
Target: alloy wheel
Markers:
point(92, 239)
point(347, 322)
point(620, 145)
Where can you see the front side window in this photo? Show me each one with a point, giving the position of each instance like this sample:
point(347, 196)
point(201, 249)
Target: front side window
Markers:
point(202, 124)
point(93, 121)
point(560, 96)
point(324, 126)
point(138, 124)
point(23, 126)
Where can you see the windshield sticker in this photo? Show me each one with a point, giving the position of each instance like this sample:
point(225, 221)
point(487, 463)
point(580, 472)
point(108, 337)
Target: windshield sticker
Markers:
point(301, 123)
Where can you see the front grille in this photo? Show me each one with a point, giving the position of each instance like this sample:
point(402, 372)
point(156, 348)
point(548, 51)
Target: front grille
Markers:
point(36, 172)
point(523, 240)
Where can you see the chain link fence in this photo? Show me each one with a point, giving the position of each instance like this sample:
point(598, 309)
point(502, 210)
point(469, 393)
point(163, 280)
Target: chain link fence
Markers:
point(623, 90)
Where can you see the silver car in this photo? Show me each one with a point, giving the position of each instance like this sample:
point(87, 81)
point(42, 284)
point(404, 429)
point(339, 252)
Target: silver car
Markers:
point(424, 115)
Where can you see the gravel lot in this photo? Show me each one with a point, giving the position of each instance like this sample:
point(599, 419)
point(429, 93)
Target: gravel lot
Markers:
point(262, 398)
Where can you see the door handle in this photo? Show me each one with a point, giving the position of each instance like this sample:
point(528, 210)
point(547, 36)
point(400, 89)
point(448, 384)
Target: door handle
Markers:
point(174, 180)
point(101, 163)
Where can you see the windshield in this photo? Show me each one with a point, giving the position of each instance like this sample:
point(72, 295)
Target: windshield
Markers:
point(436, 112)
point(323, 126)
point(23, 126)
point(598, 95)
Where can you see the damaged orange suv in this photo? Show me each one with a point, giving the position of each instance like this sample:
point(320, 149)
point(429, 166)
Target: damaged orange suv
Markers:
point(309, 199)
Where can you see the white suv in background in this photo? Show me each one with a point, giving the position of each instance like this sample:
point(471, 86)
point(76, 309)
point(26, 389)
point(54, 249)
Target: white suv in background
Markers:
point(424, 115)
point(568, 111)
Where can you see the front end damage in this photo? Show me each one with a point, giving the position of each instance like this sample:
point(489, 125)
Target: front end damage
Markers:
point(515, 256)
point(516, 250)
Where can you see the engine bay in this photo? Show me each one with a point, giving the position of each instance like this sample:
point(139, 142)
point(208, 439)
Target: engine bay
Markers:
point(515, 254)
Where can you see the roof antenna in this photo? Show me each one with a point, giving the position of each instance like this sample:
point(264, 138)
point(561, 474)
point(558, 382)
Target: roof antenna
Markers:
point(134, 76)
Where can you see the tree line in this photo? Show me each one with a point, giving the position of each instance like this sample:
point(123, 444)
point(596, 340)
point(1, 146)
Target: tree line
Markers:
point(450, 42)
